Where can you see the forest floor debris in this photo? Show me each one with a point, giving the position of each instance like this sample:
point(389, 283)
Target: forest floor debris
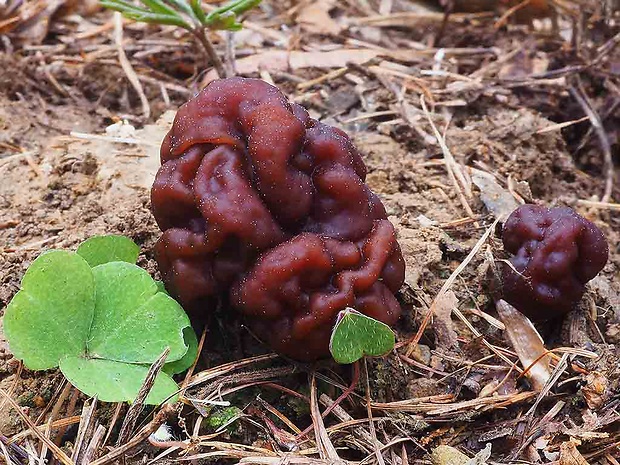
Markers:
point(518, 104)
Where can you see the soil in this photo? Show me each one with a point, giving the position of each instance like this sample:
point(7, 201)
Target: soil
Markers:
point(65, 178)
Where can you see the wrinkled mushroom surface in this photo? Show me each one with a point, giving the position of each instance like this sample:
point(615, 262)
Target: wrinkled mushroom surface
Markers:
point(556, 252)
point(267, 207)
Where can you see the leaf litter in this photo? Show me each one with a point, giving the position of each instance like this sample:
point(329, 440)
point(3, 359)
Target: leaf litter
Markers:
point(499, 125)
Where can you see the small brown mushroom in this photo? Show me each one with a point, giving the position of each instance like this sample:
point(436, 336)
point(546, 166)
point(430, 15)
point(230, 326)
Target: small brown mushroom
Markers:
point(556, 252)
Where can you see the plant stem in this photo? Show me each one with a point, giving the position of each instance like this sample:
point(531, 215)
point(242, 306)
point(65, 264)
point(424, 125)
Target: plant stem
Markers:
point(201, 35)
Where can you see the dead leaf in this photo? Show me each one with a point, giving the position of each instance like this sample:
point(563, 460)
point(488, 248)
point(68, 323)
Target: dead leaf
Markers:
point(447, 455)
point(594, 392)
point(30, 21)
point(498, 200)
point(84, 7)
point(8, 8)
point(527, 343)
point(281, 60)
point(524, 64)
point(482, 456)
point(569, 455)
point(315, 18)
point(442, 320)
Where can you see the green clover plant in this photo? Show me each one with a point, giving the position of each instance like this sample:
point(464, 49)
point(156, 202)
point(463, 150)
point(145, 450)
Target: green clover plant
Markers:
point(356, 335)
point(189, 15)
point(100, 318)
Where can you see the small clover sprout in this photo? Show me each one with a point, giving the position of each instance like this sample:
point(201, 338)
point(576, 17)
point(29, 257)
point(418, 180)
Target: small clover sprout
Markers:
point(100, 318)
point(103, 249)
point(356, 335)
point(189, 15)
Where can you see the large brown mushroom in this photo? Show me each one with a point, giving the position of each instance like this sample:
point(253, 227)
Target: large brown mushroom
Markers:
point(266, 207)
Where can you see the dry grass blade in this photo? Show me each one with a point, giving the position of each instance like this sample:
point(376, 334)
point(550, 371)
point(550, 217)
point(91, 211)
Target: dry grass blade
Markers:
point(371, 425)
point(119, 140)
point(126, 65)
point(14, 384)
point(557, 372)
point(93, 446)
point(348, 420)
point(559, 369)
point(327, 451)
point(501, 22)
point(404, 405)
point(453, 409)
point(412, 18)
point(47, 433)
point(420, 85)
point(7, 457)
point(586, 105)
point(86, 422)
point(453, 168)
point(57, 401)
point(232, 451)
point(288, 459)
point(164, 414)
point(558, 126)
point(115, 417)
point(603, 205)
point(448, 284)
point(220, 370)
point(138, 405)
point(63, 422)
point(345, 394)
point(541, 424)
point(283, 418)
point(214, 392)
point(496, 350)
point(325, 77)
point(482, 404)
point(56, 451)
point(190, 372)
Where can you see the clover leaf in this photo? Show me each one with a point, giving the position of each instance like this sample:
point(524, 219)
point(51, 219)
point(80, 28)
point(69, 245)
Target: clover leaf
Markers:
point(103, 249)
point(356, 335)
point(50, 317)
point(172, 368)
point(112, 381)
point(104, 325)
point(134, 323)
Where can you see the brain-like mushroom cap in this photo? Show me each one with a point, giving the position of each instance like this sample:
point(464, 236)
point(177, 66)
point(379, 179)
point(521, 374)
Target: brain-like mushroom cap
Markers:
point(263, 205)
point(556, 252)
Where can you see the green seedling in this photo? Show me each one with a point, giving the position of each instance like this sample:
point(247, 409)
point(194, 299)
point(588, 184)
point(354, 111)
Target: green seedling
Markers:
point(356, 335)
point(224, 419)
point(100, 318)
point(189, 15)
